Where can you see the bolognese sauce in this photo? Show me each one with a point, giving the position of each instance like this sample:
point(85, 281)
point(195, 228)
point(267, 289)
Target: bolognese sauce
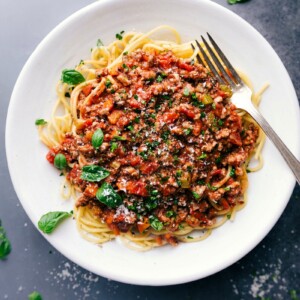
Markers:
point(168, 142)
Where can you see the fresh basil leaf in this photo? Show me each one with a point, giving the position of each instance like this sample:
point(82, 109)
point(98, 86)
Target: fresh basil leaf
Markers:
point(60, 161)
point(35, 296)
point(39, 122)
point(156, 224)
point(107, 195)
point(94, 173)
point(5, 246)
point(97, 138)
point(71, 77)
point(50, 220)
point(236, 1)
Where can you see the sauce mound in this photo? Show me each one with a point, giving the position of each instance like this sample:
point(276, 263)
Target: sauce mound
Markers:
point(173, 144)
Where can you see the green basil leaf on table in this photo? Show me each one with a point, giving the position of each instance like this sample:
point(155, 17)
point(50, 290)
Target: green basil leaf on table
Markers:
point(71, 77)
point(107, 195)
point(50, 220)
point(35, 296)
point(94, 173)
point(5, 246)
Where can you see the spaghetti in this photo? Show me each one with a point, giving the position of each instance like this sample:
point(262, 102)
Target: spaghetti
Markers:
point(155, 151)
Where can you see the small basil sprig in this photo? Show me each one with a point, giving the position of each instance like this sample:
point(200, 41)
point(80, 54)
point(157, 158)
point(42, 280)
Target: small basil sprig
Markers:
point(60, 161)
point(155, 223)
point(5, 246)
point(97, 138)
point(71, 77)
point(236, 1)
point(107, 195)
point(50, 220)
point(35, 296)
point(39, 122)
point(94, 173)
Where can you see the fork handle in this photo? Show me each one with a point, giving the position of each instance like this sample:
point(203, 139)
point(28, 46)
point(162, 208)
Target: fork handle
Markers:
point(291, 160)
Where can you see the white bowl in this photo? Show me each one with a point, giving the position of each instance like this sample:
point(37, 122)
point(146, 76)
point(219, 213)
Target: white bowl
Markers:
point(37, 183)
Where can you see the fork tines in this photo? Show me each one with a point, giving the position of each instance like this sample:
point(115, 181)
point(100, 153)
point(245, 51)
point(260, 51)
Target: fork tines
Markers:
point(216, 63)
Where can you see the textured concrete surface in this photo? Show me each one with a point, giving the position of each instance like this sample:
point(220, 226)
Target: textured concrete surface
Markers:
point(270, 271)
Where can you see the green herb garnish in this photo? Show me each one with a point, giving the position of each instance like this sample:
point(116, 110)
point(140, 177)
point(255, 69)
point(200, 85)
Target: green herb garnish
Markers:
point(5, 246)
point(236, 1)
point(40, 122)
point(71, 77)
point(60, 161)
point(202, 156)
point(107, 195)
point(94, 173)
point(186, 92)
point(113, 146)
point(50, 221)
point(97, 138)
point(99, 43)
point(196, 195)
point(119, 36)
point(155, 223)
point(35, 296)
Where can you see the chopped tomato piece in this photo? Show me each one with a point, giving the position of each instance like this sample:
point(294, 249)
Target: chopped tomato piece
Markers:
point(137, 188)
point(91, 190)
point(142, 226)
point(134, 103)
point(170, 117)
point(134, 160)
point(88, 122)
point(197, 128)
point(87, 89)
point(149, 167)
point(115, 116)
point(123, 121)
point(235, 139)
point(185, 66)
point(108, 104)
point(188, 110)
point(51, 155)
point(225, 204)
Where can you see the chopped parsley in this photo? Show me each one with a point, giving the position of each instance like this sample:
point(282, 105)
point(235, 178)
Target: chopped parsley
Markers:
point(187, 131)
point(119, 36)
point(113, 146)
point(211, 187)
point(232, 172)
point(99, 43)
point(196, 195)
point(170, 214)
point(40, 122)
point(159, 78)
point(155, 223)
point(108, 83)
point(165, 135)
point(202, 156)
point(186, 92)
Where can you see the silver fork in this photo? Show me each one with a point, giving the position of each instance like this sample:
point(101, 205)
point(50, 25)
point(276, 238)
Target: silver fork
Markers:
point(241, 97)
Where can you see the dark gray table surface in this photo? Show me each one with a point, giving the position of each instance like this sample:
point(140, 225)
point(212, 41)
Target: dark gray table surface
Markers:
point(270, 271)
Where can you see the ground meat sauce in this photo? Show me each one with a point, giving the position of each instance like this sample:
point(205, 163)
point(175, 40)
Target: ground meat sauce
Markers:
point(170, 134)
